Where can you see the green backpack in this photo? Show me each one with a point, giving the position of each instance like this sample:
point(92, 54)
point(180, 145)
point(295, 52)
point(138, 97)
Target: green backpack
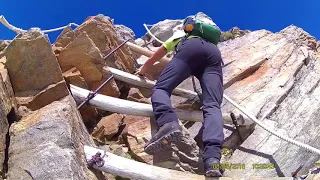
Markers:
point(193, 26)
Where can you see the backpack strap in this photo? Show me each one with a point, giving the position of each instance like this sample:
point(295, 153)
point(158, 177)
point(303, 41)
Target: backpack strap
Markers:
point(183, 39)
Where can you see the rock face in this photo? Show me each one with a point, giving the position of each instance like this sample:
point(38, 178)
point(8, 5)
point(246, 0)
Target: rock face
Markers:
point(46, 140)
point(101, 31)
point(300, 37)
point(124, 33)
point(7, 108)
point(103, 34)
point(7, 94)
point(48, 143)
point(280, 62)
point(82, 54)
point(30, 55)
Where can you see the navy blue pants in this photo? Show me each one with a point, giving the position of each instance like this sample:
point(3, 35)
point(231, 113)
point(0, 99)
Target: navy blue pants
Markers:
point(203, 60)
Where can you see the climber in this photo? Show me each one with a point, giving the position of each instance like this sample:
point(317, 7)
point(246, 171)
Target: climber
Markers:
point(197, 55)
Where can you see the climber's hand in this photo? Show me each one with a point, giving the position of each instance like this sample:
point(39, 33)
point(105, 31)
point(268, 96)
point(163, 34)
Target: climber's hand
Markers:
point(140, 74)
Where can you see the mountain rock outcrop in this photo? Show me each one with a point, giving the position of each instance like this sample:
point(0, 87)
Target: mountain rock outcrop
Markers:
point(46, 132)
point(43, 85)
point(233, 33)
point(48, 143)
point(282, 62)
point(124, 33)
point(275, 76)
point(8, 107)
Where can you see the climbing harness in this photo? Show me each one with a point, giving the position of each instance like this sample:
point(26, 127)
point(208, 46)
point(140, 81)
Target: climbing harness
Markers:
point(93, 94)
point(253, 118)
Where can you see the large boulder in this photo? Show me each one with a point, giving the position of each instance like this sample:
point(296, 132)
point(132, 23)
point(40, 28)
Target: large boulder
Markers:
point(105, 36)
point(46, 132)
point(107, 127)
point(48, 144)
point(65, 37)
point(84, 55)
point(34, 71)
point(102, 32)
point(124, 33)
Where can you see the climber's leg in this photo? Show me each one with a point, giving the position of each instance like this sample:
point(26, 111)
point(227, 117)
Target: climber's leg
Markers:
point(169, 130)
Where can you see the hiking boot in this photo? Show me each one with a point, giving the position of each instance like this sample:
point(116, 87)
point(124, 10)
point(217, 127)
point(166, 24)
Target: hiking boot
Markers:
point(212, 168)
point(168, 133)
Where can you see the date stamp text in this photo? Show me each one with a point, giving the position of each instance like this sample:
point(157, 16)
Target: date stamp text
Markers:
point(231, 166)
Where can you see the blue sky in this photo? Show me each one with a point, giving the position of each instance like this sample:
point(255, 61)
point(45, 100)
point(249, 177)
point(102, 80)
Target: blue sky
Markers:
point(272, 15)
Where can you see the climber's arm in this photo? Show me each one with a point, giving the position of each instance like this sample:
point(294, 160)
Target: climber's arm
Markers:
point(161, 51)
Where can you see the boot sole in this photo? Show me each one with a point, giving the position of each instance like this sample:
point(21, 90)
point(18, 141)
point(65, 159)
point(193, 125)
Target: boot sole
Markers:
point(163, 142)
point(213, 173)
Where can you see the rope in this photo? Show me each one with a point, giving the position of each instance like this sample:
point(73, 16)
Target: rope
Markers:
point(5, 23)
point(153, 36)
point(60, 28)
point(253, 118)
point(18, 30)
